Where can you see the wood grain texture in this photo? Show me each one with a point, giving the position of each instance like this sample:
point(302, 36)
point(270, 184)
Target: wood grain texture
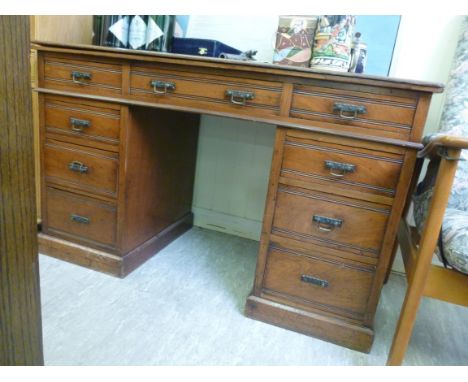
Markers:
point(327, 328)
point(20, 314)
point(253, 67)
point(64, 29)
point(157, 148)
point(422, 264)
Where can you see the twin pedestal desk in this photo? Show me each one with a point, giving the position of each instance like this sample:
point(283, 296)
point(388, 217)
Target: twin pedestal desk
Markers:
point(119, 136)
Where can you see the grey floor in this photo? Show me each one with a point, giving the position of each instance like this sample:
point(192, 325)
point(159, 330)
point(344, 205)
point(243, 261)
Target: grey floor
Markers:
point(185, 307)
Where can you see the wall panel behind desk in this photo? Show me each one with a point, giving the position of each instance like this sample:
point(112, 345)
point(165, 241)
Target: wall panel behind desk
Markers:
point(231, 179)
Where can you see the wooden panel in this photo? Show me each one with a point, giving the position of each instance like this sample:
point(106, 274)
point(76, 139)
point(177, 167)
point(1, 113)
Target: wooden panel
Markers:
point(363, 223)
point(103, 121)
point(206, 91)
point(345, 286)
point(315, 324)
point(73, 29)
point(372, 171)
point(81, 218)
point(104, 78)
point(233, 162)
point(158, 172)
point(20, 306)
point(98, 172)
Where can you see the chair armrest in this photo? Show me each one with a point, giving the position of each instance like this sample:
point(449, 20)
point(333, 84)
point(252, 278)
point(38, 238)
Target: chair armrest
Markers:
point(432, 148)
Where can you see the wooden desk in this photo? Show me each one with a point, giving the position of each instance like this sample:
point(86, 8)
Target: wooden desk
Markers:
point(118, 146)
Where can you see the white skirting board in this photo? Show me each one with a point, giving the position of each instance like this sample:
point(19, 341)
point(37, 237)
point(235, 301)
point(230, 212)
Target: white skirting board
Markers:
point(233, 225)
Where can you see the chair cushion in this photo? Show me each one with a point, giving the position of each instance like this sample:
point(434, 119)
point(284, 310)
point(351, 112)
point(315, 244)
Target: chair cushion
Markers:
point(455, 238)
point(454, 119)
point(454, 231)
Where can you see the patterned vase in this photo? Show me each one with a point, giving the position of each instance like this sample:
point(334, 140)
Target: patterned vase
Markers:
point(294, 40)
point(332, 46)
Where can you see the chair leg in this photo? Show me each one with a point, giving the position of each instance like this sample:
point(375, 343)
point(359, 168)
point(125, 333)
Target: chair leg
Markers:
point(405, 327)
point(428, 242)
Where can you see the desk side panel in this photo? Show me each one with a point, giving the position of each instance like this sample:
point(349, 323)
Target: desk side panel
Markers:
point(160, 149)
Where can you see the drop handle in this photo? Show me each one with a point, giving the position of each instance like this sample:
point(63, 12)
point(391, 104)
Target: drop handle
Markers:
point(339, 169)
point(348, 111)
point(79, 124)
point(327, 224)
point(239, 97)
point(314, 280)
point(77, 77)
point(165, 86)
point(79, 219)
point(78, 167)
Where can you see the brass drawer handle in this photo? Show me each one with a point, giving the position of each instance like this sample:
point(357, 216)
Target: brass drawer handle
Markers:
point(348, 111)
point(79, 124)
point(327, 224)
point(339, 169)
point(77, 77)
point(79, 219)
point(78, 167)
point(239, 97)
point(162, 85)
point(314, 280)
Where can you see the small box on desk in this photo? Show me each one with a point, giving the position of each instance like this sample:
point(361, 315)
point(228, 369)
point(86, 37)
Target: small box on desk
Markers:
point(201, 47)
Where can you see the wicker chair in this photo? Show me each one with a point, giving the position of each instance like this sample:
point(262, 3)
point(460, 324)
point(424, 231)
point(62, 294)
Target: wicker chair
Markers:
point(440, 211)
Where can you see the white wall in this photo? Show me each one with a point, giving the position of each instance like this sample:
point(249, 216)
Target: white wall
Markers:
point(234, 156)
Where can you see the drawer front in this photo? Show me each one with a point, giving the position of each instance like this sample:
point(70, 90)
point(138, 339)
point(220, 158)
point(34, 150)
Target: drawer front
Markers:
point(87, 170)
point(345, 166)
point(82, 121)
point(348, 223)
point(318, 281)
point(87, 76)
point(223, 94)
point(376, 113)
point(80, 217)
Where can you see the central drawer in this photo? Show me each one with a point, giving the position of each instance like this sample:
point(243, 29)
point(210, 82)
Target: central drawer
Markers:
point(81, 168)
point(205, 91)
point(330, 219)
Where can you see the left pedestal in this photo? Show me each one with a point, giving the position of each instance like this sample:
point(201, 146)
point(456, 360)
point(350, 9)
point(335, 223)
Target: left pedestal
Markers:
point(116, 183)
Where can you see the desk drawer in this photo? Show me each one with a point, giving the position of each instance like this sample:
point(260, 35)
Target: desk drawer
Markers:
point(204, 91)
point(82, 76)
point(94, 171)
point(329, 219)
point(80, 217)
point(373, 113)
point(82, 121)
point(332, 285)
point(364, 169)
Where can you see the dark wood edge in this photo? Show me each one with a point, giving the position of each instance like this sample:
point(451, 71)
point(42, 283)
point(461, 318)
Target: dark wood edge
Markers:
point(109, 263)
point(330, 329)
point(443, 141)
point(151, 247)
point(79, 254)
point(130, 54)
point(277, 120)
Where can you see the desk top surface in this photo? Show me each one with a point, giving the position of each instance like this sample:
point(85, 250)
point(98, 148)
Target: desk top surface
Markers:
point(252, 66)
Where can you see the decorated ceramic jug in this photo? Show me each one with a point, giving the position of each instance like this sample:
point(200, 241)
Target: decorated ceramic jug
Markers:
point(332, 43)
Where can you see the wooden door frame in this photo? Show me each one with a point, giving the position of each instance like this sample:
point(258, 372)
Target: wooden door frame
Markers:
point(20, 308)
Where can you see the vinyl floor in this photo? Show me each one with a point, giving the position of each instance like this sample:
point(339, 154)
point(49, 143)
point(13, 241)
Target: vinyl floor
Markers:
point(185, 307)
